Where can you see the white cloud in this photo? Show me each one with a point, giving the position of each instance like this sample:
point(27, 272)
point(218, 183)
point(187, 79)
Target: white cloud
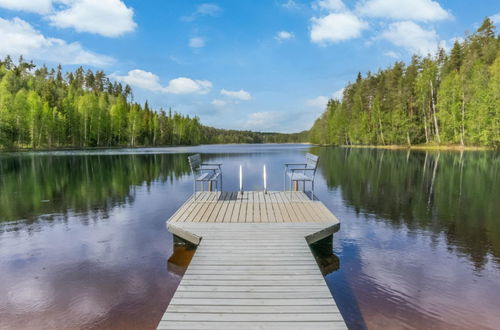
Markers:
point(392, 54)
point(196, 42)
point(420, 10)
point(495, 18)
point(184, 85)
point(20, 38)
point(32, 6)
point(447, 45)
point(336, 27)
point(205, 9)
point(321, 101)
point(329, 5)
point(219, 102)
point(412, 37)
point(210, 9)
point(284, 35)
point(141, 79)
point(239, 95)
point(150, 81)
point(110, 18)
point(290, 4)
point(338, 95)
point(262, 121)
point(318, 102)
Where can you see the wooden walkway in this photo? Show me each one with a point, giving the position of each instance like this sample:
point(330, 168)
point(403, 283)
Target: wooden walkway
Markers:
point(253, 268)
point(253, 206)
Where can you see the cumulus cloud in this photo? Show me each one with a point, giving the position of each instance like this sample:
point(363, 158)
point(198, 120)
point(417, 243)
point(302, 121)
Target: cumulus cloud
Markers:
point(419, 10)
point(150, 81)
point(219, 102)
point(329, 5)
point(262, 121)
point(231, 97)
point(495, 18)
point(392, 54)
point(184, 85)
point(284, 35)
point(20, 38)
point(338, 95)
point(336, 27)
point(110, 18)
point(412, 37)
point(321, 101)
point(239, 95)
point(318, 102)
point(205, 9)
point(32, 6)
point(196, 42)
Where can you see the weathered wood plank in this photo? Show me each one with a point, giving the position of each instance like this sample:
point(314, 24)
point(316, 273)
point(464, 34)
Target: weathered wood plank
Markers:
point(254, 317)
point(230, 207)
point(253, 268)
point(252, 302)
point(243, 288)
point(251, 309)
point(198, 325)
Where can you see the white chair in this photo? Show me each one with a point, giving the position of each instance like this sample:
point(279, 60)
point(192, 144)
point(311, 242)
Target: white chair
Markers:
point(302, 173)
point(204, 172)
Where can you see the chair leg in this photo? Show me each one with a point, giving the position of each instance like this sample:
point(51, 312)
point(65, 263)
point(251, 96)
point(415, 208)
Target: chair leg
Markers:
point(312, 191)
point(194, 189)
point(284, 180)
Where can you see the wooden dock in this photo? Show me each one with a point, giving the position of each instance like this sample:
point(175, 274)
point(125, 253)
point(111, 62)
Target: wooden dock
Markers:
point(253, 268)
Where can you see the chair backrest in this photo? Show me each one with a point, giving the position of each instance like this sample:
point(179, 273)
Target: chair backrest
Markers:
point(194, 162)
point(312, 161)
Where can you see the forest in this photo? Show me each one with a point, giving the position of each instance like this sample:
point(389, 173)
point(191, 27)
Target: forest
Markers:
point(43, 108)
point(443, 99)
point(446, 99)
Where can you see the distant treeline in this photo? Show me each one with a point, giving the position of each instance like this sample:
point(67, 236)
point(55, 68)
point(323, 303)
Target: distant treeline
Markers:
point(216, 135)
point(46, 108)
point(444, 99)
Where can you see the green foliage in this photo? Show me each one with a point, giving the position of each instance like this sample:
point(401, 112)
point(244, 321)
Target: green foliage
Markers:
point(446, 99)
point(454, 194)
point(40, 108)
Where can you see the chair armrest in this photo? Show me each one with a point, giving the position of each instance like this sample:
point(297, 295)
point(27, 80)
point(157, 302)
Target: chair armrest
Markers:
point(301, 169)
point(290, 166)
point(209, 164)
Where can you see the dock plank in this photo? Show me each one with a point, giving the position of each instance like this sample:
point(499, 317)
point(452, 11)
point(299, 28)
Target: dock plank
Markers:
point(253, 268)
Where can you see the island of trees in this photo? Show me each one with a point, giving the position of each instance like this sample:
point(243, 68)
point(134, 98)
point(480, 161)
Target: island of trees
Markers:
point(444, 99)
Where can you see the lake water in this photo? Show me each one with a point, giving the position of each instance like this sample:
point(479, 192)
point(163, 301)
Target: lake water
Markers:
point(83, 242)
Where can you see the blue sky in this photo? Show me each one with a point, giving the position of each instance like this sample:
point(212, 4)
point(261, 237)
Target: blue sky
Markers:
point(246, 64)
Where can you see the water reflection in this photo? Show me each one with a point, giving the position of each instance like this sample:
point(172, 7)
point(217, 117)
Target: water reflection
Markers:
point(38, 185)
point(181, 257)
point(83, 242)
point(450, 193)
point(419, 238)
point(327, 261)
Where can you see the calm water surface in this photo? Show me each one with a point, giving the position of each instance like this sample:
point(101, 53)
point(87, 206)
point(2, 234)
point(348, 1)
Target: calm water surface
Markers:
point(83, 242)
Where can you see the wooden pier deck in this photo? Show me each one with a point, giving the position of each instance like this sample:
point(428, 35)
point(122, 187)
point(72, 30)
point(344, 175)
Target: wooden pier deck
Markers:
point(253, 268)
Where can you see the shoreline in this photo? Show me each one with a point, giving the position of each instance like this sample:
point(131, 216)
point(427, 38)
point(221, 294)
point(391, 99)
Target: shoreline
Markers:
point(422, 147)
point(137, 147)
point(358, 146)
